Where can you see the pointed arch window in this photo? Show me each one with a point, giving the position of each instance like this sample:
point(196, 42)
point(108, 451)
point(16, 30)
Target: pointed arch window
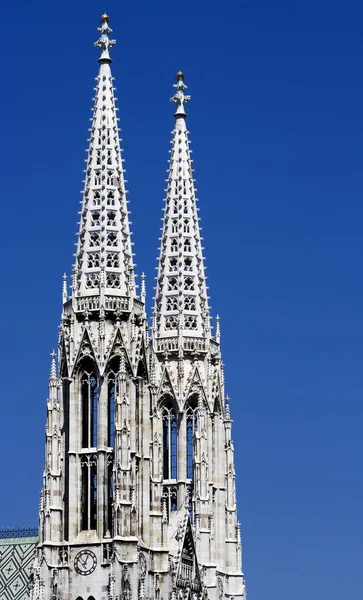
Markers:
point(170, 441)
point(186, 226)
point(97, 178)
point(173, 264)
point(191, 428)
point(174, 226)
point(187, 245)
point(188, 283)
point(96, 199)
point(172, 284)
point(112, 392)
point(111, 199)
point(89, 401)
point(188, 264)
point(111, 239)
point(111, 218)
point(95, 218)
point(89, 492)
point(174, 245)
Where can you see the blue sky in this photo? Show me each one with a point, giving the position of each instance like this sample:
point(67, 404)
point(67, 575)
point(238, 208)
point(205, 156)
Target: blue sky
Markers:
point(276, 125)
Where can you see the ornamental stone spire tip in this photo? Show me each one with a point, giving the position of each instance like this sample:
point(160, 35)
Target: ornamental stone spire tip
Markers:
point(104, 42)
point(179, 97)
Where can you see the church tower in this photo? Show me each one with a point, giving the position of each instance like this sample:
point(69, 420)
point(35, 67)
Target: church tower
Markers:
point(138, 498)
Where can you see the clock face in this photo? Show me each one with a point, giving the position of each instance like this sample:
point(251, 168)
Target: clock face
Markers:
point(85, 562)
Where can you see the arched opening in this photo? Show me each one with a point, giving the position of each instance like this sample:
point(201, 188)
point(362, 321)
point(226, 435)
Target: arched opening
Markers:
point(170, 440)
point(191, 427)
point(89, 492)
point(89, 402)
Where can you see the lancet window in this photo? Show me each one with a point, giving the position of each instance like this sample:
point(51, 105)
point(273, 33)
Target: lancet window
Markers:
point(170, 441)
point(89, 403)
point(111, 199)
point(172, 284)
point(188, 284)
point(98, 157)
point(95, 218)
point(170, 499)
point(174, 226)
point(110, 178)
point(89, 492)
point(112, 391)
point(97, 179)
point(191, 427)
point(174, 245)
point(175, 206)
point(109, 156)
point(96, 198)
point(94, 239)
point(112, 239)
point(188, 264)
point(111, 218)
point(187, 245)
point(173, 264)
point(186, 226)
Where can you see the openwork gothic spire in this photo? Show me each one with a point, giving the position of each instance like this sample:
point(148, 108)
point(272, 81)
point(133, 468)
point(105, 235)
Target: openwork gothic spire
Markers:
point(181, 303)
point(104, 263)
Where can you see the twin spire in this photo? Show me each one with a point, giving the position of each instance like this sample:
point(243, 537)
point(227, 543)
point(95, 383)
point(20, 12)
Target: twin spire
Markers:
point(104, 259)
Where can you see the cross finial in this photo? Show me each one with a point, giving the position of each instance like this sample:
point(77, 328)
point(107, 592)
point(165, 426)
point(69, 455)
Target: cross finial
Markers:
point(104, 42)
point(179, 97)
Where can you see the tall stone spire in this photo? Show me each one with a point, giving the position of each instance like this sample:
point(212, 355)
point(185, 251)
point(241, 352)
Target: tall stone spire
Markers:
point(181, 303)
point(104, 263)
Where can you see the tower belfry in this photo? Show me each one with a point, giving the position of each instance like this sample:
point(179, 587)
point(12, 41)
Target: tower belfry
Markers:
point(138, 498)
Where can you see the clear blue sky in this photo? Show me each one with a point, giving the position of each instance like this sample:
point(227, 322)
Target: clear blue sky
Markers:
point(276, 125)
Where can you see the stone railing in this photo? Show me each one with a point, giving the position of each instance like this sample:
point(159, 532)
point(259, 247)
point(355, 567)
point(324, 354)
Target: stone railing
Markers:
point(190, 344)
point(92, 303)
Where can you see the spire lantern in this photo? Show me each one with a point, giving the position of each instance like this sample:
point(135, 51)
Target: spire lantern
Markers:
point(179, 97)
point(104, 42)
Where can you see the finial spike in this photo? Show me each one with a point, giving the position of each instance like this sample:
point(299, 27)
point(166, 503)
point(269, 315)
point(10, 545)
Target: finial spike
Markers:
point(218, 329)
point(227, 409)
point(143, 288)
point(104, 42)
point(53, 371)
point(179, 97)
point(64, 289)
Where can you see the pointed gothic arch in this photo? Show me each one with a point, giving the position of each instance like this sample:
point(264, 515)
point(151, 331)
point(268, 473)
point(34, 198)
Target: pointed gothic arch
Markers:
point(89, 398)
point(169, 416)
point(191, 413)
